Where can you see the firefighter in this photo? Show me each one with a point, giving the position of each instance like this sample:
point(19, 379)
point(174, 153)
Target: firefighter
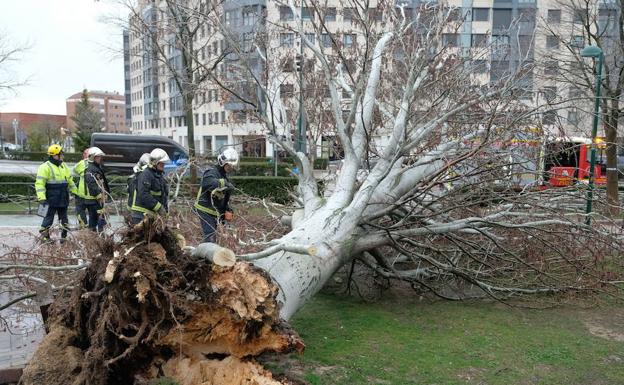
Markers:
point(212, 205)
point(94, 186)
point(78, 174)
point(53, 185)
point(140, 166)
point(151, 194)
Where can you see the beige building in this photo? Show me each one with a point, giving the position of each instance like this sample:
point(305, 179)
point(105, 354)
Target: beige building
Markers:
point(111, 105)
point(510, 31)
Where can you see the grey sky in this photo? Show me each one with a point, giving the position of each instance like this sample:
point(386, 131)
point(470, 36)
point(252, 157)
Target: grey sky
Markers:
point(71, 48)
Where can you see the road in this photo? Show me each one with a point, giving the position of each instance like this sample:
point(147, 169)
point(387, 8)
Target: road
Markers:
point(21, 166)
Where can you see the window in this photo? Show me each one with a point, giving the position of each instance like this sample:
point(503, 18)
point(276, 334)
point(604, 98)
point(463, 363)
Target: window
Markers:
point(203, 119)
point(572, 116)
point(286, 14)
point(222, 116)
point(551, 68)
point(231, 18)
point(479, 40)
point(552, 42)
point(479, 66)
point(375, 14)
point(480, 14)
point(207, 144)
point(499, 70)
point(307, 14)
point(250, 15)
point(580, 16)
point(550, 93)
point(326, 40)
point(310, 37)
point(286, 90)
point(197, 119)
point(450, 39)
point(220, 142)
point(501, 18)
point(549, 117)
point(330, 14)
point(577, 42)
point(287, 39)
point(216, 118)
point(348, 15)
point(348, 40)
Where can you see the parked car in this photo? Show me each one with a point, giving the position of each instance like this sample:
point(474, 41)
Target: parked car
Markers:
point(124, 150)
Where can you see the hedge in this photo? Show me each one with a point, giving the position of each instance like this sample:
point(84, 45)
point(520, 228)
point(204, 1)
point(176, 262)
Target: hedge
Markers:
point(38, 156)
point(319, 164)
point(275, 188)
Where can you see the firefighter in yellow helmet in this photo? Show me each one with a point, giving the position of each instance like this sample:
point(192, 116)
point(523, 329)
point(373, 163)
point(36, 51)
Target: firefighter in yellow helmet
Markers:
point(53, 185)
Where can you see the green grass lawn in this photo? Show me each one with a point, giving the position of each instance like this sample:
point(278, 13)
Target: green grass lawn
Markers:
point(351, 342)
point(12, 207)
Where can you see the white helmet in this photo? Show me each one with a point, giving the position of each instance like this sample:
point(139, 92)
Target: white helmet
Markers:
point(158, 155)
point(143, 161)
point(93, 152)
point(228, 156)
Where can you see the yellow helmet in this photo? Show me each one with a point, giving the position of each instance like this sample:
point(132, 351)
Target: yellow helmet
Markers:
point(55, 149)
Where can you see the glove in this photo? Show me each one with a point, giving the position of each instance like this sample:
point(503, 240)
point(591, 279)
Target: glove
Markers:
point(43, 202)
point(229, 185)
point(228, 216)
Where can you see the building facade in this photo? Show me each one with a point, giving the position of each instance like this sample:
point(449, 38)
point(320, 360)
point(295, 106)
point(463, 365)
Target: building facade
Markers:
point(517, 34)
point(111, 105)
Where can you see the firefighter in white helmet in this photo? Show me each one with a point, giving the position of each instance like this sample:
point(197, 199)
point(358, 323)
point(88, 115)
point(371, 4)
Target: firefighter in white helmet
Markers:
point(94, 188)
point(151, 194)
point(137, 168)
point(213, 198)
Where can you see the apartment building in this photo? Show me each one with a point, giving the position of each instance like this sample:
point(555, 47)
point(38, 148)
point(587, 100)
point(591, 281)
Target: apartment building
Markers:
point(111, 105)
point(512, 30)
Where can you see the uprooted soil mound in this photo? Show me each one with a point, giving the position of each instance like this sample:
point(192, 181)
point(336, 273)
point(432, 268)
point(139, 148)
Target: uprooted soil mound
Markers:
point(145, 309)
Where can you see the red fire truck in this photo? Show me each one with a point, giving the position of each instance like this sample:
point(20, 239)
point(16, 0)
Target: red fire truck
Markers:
point(567, 161)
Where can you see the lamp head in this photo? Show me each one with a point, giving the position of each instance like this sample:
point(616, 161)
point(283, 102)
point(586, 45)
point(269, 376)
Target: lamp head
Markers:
point(591, 51)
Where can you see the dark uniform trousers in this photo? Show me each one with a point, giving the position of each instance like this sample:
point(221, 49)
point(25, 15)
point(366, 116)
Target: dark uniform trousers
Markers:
point(48, 220)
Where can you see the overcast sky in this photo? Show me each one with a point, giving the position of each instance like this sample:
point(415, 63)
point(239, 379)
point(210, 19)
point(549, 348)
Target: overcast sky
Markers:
point(70, 48)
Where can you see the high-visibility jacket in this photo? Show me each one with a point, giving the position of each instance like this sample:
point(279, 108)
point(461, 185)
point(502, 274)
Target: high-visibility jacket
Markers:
point(54, 183)
point(213, 196)
point(151, 192)
point(78, 174)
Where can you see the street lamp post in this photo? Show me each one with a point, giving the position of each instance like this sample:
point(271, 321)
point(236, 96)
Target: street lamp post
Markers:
point(15, 124)
point(596, 53)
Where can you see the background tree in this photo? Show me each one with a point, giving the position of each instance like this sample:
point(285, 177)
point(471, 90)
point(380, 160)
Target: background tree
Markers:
point(9, 54)
point(177, 35)
point(87, 121)
point(569, 28)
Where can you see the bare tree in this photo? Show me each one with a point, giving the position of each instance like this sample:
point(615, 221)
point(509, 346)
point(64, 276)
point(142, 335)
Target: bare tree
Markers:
point(576, 24)
point(428, 146)
point(176, 39)
point(10, 53)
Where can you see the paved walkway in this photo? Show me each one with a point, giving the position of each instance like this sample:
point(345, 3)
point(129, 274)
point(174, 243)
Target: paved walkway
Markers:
point(23, 331)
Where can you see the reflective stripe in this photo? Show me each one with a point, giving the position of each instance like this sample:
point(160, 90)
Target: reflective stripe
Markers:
point(207, 210)
point(156, 193)
point(40, 190)
point(222, 182)
point(135, 207)
point(41, 177)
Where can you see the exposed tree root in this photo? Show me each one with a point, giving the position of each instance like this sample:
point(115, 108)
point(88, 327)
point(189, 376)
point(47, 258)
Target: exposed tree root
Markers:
point(146, 309)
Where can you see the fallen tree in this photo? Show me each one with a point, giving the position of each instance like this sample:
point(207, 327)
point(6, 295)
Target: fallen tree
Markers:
point(432, 207)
